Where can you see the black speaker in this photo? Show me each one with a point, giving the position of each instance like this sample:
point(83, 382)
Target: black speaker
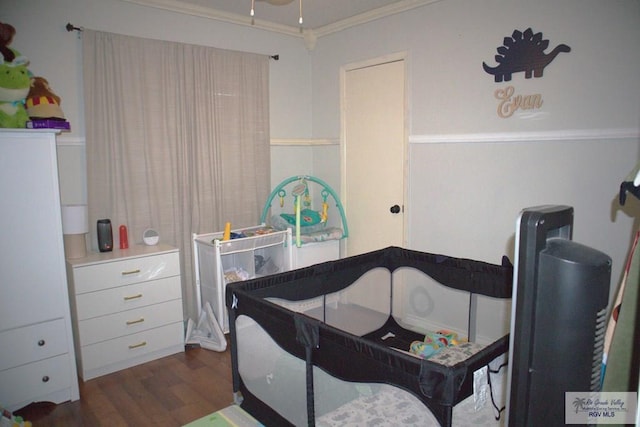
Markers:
point(105, 235)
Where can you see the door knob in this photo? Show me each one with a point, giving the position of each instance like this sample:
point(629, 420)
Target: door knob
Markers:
point(394, 209)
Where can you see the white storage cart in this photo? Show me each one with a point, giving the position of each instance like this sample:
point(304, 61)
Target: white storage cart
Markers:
point(263, 252)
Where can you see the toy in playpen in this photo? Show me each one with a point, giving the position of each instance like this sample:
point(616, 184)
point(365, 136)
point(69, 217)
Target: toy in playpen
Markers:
point(304, 217)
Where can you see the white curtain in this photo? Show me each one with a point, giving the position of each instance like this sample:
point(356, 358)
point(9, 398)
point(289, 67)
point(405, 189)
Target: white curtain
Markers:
point(177, 139)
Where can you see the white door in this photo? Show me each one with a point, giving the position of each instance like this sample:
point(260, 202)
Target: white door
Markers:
point(373, 163)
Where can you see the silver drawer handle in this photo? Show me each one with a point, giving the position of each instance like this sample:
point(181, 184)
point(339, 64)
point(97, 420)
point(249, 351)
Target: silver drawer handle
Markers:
point(129, 298)
point(142, 344)
point(133, 322)
point(127, 273)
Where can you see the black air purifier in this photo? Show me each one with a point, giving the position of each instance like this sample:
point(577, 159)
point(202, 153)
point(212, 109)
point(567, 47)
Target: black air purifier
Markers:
point(105, 235)
point(558, 322)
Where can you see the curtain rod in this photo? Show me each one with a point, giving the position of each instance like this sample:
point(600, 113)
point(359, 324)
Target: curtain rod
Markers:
point(70, 27)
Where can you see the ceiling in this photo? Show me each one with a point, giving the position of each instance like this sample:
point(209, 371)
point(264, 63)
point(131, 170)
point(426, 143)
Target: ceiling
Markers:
point(321, 17)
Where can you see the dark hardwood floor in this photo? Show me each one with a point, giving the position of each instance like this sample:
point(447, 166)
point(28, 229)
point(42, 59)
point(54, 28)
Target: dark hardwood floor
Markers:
point(171, 391)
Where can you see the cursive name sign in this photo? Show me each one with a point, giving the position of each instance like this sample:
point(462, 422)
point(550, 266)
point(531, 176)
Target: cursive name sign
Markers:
point(510, 103)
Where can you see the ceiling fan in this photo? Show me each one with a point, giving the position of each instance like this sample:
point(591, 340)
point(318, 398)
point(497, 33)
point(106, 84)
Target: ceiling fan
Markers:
point(278, 3)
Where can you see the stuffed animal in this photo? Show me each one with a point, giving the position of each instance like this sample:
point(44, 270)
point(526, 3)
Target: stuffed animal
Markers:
point(41, 102)
point(6, 37)
point(14, 82)
point(433, 343)
point(14, 87)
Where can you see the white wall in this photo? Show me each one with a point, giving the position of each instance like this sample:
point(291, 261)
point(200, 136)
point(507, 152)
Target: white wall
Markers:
point(471, 171)
point(595, 86)
point(321, 161)
point(473, 193)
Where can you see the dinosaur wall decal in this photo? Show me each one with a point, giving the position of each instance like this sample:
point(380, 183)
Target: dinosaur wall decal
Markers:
point(523, 52)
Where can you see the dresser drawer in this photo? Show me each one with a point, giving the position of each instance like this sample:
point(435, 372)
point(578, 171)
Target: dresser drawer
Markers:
point(129, 322)
point(94, 277)
point(35, 379)
point(130, 347)
point(30, 343)
point(96, 304)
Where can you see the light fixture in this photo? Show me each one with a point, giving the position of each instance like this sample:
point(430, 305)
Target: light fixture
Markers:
point(276, 3)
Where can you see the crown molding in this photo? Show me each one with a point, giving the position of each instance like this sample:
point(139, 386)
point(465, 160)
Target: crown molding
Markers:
point(372, 15)
point(309, 35)
point(218, 15)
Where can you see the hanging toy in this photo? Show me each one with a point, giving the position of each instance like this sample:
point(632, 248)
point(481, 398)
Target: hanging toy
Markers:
point(324, 215)
point(307, 196)
point(282, 193)
point(297, 192)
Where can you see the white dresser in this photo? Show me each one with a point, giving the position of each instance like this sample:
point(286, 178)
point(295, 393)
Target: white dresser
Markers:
point(37, 360)
point(126, 307)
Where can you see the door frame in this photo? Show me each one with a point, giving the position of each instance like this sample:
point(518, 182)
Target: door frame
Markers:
point(392, 57)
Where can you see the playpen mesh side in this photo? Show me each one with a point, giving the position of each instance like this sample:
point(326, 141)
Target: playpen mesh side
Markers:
point(279, 382)
point(278, 379)
point(359, 309)
point(296, 335)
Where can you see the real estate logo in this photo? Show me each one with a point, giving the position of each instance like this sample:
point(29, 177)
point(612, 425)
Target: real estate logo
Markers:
point(600, 408)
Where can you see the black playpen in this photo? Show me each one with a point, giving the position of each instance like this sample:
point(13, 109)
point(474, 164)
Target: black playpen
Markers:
point(327, 344)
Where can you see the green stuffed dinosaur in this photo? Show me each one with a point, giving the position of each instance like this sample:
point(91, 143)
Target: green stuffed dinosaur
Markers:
point(14, 87)
point(15, 82)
